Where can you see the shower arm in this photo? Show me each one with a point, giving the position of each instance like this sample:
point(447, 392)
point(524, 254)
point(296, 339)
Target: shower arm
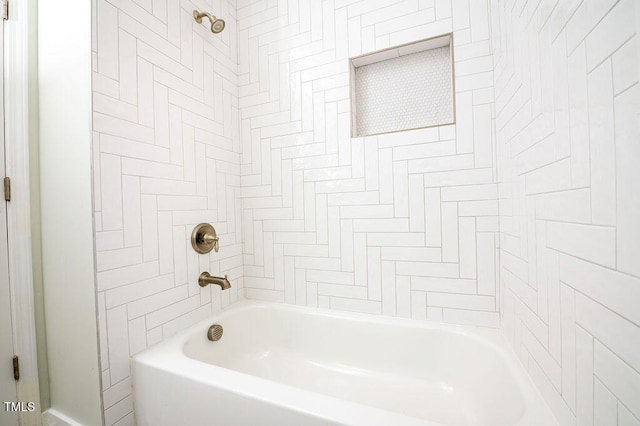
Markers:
point(199, 15)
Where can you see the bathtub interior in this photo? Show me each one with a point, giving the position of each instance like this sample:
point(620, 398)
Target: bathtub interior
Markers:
point(425, 372)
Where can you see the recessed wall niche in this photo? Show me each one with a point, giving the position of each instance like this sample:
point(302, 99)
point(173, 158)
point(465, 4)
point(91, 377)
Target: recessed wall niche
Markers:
point(402, 88)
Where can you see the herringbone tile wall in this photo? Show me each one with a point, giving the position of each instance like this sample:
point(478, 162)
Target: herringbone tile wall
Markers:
point(567, 125)
point(250, 130)
point(403, 224)
point(166, 157)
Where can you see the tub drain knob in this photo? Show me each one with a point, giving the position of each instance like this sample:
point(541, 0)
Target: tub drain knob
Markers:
point(215, 332)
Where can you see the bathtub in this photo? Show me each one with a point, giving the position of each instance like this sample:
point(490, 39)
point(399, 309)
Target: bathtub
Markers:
point(286, 365)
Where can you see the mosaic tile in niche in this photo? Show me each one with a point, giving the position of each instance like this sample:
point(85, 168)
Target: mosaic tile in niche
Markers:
point(407, 92)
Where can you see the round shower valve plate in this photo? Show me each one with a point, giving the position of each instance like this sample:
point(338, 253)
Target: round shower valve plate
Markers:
point(198, 240)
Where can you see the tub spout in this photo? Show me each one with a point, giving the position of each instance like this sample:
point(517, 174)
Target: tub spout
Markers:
point(205, 279)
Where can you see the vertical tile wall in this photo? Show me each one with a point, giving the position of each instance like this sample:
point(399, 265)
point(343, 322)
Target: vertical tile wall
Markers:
point(403, 224)
point(567, 124)
point(166, 157)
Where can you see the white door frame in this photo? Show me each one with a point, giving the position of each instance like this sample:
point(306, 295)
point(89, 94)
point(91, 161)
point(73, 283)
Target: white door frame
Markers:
point(16, 75)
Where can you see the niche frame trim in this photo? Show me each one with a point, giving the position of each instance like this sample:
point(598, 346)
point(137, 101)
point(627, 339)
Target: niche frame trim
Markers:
point(381, 53)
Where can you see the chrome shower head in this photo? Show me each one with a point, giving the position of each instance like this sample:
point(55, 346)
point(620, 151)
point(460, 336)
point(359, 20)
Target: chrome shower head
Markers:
point(217, 26)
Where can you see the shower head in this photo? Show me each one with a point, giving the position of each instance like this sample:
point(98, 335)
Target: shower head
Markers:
point(217, 25)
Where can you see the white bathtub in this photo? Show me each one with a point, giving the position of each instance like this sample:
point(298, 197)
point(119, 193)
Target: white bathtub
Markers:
point(285, 365)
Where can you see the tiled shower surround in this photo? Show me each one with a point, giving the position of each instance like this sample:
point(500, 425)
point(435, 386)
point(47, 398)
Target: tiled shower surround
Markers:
point(521, 215)
point(166, 157)
point(402, 224)
point(568, 138)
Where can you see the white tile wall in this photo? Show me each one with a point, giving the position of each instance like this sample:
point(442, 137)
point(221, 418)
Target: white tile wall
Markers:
point(567, 105)
point(401, 224)
point(166, 157)
point(250, 130)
